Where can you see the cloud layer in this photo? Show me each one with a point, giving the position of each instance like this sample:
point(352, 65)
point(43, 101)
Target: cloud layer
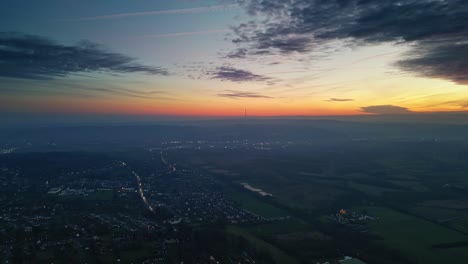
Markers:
point(385, 109)
point(439, 59)
point(226, 73)
point(34, 57)
point(339, 100)
point(181, 11)
point(437, 30)
point(236, 95)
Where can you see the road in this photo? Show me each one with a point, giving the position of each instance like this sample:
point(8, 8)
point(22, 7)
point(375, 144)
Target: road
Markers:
point(140, 188)
point(171, 167)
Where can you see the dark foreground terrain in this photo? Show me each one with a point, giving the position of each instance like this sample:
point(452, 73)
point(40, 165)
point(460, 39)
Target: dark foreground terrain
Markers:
point(239, 192)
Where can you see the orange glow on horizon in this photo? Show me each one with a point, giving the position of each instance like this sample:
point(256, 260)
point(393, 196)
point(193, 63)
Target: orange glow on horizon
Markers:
point(217, 108)
point(161, 108)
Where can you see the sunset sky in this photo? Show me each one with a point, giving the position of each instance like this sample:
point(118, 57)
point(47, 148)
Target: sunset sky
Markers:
point(217, 58)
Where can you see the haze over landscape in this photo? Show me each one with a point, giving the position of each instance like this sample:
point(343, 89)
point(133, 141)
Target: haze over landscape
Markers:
point(234, 131)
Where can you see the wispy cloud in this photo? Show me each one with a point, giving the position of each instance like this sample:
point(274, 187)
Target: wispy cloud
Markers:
point(237, 94)
point(177, 34)
point(376, 56)
point(181, 11)
point(226, 73)
point(339, 100)
point(34, 57)
point(79, 88)
point(127, 92)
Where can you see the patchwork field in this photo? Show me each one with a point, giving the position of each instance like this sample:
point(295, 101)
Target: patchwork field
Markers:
point(418, 194)
point(251, 203)
point(417, 238)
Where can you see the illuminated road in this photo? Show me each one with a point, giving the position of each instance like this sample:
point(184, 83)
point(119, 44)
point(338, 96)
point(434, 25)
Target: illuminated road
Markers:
point(171, 167)
point(140, 188)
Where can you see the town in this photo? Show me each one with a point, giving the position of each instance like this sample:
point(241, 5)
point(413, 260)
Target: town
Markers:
point(96, 212)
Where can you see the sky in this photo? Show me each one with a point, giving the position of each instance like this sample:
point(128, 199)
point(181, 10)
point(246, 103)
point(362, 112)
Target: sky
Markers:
point(223, 57)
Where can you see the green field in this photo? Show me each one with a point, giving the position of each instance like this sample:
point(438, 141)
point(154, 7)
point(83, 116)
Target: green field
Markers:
point(278, 228)
point(251, 203)
point(279, 256)
point(416, 237)
point(460, 224)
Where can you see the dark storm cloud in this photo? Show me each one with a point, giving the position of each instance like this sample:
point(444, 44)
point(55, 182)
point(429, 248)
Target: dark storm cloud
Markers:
point(34, 57)
point(438, 29)
point(237, 94)
point(235, 75)
point(339, 100)
point(385, 109)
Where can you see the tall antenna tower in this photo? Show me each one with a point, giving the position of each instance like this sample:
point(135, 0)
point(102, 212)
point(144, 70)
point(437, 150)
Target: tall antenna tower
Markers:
point(245, 113)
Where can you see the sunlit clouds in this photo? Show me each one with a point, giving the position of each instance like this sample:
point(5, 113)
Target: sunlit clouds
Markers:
point(217, 58)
